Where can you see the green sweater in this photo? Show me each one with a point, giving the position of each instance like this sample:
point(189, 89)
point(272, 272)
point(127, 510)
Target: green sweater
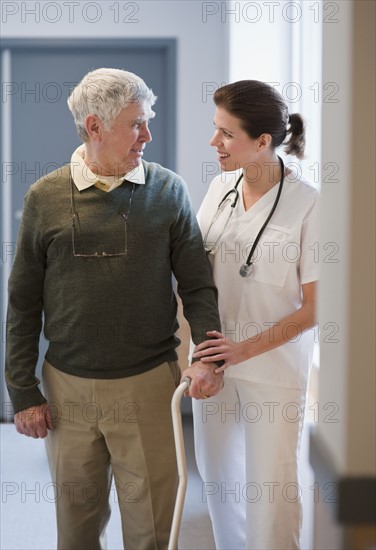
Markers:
point(104, 317)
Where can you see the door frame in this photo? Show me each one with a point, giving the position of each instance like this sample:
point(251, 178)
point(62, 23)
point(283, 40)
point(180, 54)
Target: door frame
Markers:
point(168, 45)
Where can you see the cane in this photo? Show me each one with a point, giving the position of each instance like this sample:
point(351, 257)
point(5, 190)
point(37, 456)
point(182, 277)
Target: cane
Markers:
point(181, 462)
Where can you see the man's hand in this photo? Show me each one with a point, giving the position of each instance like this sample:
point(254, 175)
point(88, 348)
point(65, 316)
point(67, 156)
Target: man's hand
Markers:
point(34, 421)
point(204, 381)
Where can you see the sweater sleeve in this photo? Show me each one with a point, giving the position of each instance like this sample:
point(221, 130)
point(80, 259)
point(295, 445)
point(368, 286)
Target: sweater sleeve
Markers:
point(24, 317)
point(192, 269)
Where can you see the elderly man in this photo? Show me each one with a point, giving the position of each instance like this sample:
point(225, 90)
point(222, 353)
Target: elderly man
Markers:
point(98, 243)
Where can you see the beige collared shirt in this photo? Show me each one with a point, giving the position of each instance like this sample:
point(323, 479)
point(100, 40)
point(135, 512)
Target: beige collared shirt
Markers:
point(83, 177)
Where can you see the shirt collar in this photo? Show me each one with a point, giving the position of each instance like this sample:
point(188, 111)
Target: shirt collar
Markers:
point(84, 178)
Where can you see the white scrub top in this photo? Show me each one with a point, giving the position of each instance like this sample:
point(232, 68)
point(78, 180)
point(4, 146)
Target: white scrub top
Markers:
point(285, 258)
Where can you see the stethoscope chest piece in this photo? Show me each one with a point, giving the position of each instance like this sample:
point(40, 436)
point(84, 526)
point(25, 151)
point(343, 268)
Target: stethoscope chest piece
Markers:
point(246, 270)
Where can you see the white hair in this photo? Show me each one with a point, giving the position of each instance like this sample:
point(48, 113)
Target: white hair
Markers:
point(105, 93)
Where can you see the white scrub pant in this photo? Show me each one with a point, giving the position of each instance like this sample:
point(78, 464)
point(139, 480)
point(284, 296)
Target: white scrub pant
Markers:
point(247, 442)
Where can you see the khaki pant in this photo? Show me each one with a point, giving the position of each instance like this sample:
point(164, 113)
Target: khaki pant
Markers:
point(120, 427)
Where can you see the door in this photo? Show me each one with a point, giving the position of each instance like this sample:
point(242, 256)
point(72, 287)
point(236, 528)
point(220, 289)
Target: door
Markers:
point(38, 132)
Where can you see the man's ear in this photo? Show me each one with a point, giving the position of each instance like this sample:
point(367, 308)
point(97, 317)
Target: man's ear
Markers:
point(94, 127)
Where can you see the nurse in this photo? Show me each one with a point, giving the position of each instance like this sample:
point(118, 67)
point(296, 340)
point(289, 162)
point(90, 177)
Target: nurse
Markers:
point(259, 224)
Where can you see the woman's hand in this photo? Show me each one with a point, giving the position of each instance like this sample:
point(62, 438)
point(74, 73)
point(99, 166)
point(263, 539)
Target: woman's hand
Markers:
point(220, 348)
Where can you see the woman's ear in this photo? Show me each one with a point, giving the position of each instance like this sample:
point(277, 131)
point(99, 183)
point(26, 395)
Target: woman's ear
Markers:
point(93, 127)
point(265, 141)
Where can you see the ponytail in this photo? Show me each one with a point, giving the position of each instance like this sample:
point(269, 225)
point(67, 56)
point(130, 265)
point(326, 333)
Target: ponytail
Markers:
point(296, 143)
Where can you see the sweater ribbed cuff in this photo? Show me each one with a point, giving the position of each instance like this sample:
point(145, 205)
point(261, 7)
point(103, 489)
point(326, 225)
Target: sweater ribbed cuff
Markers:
point(218, 363)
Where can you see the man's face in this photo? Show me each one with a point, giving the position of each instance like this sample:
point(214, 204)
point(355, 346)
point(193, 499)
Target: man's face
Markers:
point(120, 149)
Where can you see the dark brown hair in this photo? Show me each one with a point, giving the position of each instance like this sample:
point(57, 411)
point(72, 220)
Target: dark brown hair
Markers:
point(262, 110)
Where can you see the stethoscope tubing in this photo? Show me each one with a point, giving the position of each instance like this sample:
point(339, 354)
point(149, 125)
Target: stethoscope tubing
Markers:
point(258, 237)
point(246, 268)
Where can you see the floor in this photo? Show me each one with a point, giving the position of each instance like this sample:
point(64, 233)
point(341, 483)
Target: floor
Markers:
point(27, 517)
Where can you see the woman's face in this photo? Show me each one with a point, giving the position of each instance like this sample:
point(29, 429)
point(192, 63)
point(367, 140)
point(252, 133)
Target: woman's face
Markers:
point(235, 149)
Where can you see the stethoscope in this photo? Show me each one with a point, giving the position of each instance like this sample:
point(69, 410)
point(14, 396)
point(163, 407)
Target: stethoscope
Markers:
point(247, 267)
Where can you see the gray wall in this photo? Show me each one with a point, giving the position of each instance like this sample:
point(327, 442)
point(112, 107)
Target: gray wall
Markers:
point(201, 57)
point(202, 50)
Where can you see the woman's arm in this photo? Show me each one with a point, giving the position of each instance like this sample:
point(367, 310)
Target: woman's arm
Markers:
point(221, 348)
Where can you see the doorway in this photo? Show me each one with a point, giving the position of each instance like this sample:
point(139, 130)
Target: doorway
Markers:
point(38, 132)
